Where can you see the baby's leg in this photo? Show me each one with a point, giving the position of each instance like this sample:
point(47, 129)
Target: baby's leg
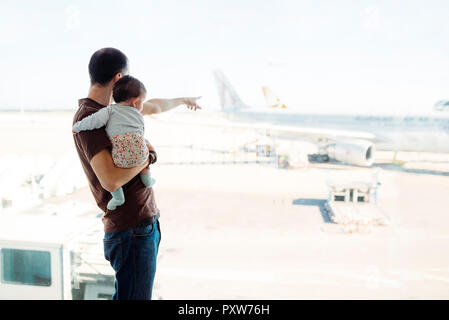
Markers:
point(118, 198)
point(145, 176)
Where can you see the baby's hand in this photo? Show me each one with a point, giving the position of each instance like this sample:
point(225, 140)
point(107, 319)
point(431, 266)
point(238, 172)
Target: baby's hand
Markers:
point(191, 103)
point(74, 132)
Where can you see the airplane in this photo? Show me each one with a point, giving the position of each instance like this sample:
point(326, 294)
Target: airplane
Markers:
point(441, 105)
point(352, 139)
point(271, 99)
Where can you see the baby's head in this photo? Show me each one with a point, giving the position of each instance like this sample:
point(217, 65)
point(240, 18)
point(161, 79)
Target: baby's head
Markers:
point(130, 91)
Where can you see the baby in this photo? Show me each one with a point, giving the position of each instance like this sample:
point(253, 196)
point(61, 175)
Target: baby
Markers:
point(125, 127)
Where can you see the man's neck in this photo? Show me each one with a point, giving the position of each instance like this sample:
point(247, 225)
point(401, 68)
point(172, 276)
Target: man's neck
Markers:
point(102, 95)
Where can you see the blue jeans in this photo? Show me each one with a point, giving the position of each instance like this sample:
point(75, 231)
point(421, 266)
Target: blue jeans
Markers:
point(132, 254)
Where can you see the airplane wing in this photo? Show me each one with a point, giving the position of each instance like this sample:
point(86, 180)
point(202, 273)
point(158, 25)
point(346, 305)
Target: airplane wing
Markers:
point(312, 133)
point(316, 134)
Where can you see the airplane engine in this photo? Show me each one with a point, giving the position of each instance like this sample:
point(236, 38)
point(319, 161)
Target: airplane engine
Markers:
point(358, 152)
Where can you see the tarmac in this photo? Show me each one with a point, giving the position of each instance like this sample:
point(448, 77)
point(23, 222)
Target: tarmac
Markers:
point(253, 232)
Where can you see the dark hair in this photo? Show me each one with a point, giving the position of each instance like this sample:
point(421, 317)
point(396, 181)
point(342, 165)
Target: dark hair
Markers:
point(105, 64)
point(127, 87)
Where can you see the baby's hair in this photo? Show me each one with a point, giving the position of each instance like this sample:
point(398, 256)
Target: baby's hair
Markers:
point(126, 88)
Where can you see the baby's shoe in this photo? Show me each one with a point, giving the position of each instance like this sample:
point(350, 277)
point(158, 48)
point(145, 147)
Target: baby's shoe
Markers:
point(114, 203)
point(118, 198)
point(147, 180)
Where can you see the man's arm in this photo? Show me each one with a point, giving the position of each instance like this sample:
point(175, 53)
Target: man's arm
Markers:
point(161, 105)
point(110, 176)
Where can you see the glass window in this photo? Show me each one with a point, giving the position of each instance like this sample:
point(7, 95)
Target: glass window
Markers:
point(26, 267)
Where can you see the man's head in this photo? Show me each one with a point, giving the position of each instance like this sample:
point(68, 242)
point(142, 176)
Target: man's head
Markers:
point(129, 90)
point(107, 64)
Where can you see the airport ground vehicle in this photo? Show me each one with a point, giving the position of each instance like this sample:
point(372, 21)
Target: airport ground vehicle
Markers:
point(55, 258)
point(353, 204)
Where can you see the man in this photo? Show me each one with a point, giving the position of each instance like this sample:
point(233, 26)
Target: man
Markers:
point(132, 231)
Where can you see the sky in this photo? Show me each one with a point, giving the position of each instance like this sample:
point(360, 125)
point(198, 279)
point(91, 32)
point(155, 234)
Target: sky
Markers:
point(325, 56)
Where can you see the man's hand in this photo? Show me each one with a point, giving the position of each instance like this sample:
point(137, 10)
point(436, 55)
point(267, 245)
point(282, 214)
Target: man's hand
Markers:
point(152, 154)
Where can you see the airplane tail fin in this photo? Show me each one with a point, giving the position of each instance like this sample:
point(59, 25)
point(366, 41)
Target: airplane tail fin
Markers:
point(229, 99)
point(271, 99)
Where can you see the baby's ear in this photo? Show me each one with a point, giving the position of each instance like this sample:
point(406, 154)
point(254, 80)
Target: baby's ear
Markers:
point(134, 102)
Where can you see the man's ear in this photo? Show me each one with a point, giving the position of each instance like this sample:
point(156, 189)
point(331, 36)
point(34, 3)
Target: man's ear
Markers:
point(117, 77)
